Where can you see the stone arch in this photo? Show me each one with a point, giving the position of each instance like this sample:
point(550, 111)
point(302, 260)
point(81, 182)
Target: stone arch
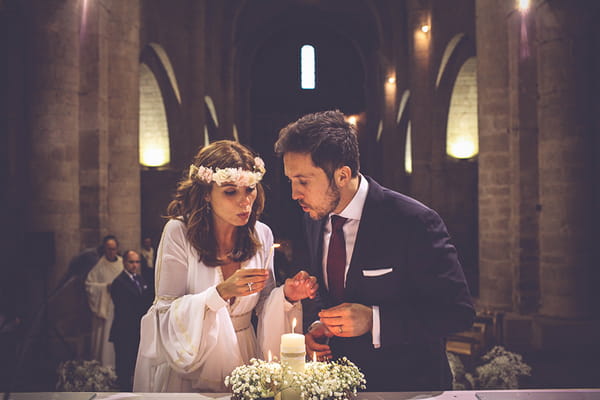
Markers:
point(456, 108)
point(154, 132)
point(360, 31)
point(462, 130)
point(156, 62)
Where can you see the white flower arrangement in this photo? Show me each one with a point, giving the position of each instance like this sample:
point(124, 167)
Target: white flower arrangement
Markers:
point(337, 380)
point(498, 369)
point(85, 376)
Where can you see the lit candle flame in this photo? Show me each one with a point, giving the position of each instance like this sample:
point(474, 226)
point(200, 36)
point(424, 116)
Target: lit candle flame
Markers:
point(293, 325)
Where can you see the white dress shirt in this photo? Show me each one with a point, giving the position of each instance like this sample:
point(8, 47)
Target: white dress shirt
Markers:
point(353, 213)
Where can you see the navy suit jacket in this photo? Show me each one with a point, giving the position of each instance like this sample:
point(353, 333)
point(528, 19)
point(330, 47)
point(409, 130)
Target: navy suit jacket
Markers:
point(423, 298)
point(130, 307)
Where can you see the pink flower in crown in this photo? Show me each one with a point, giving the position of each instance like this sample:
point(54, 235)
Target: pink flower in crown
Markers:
point(244, 180)
point(204, 174)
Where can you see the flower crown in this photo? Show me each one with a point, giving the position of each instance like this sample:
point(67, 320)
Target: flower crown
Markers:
point(237, 176)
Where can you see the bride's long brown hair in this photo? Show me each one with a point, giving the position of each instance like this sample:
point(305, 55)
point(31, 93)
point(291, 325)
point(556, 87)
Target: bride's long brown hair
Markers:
point(190, 205)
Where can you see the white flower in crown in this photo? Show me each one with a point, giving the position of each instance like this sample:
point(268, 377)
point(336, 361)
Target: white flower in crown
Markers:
point(236, 176)
point(259, 165)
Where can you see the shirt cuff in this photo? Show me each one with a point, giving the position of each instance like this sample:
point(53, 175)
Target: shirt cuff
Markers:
point(214, 301)
point(376, 333)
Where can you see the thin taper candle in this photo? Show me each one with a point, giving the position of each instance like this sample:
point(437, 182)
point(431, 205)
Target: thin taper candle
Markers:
point(275, 245)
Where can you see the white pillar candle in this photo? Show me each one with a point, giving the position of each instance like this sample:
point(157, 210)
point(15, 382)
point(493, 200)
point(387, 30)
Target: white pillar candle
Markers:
point(293, 354)
point(293, 350)
point(292, 343)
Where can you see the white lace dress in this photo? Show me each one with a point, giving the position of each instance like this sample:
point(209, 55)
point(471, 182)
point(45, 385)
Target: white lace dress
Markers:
point(191, 338)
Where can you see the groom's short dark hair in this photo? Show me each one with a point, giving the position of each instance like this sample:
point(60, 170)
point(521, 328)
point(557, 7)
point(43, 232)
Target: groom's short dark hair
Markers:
point(326, 135)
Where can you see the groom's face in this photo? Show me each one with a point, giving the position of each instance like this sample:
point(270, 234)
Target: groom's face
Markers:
point(311, 187)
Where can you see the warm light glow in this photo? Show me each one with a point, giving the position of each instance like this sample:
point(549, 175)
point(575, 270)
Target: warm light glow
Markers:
point(154, 157)
point(462, 147)
point(307, 67)
point(391, 79)
point(293, 325)
point(523, 5)
point(352, 119)
point(462, 132)
point(425, 28)
point(154, 149)
point(408, 167)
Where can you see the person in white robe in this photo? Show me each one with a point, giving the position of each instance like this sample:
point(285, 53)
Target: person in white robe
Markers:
point(97, 282)
point(214, 269)
point(147, 252)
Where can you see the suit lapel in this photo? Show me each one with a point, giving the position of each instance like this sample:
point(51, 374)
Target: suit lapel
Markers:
point(130, 284)
point(314, 234)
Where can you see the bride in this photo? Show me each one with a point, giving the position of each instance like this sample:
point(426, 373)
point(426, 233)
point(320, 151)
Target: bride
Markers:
point(214, 270)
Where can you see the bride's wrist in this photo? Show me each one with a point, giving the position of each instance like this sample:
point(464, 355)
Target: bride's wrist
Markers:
point(220, 291)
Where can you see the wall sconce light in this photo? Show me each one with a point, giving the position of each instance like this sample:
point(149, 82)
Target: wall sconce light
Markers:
point(154, 156)
point(391, 80)
point(463, 148)
point(352, 119)
point(425, 28)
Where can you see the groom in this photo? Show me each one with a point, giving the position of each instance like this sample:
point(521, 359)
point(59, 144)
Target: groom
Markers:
point(390, 283)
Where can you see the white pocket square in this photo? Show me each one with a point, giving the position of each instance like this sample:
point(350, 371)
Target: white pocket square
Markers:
point(376, 272)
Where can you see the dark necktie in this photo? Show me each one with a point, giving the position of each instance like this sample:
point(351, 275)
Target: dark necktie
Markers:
point(336, 259)
point(139, 285)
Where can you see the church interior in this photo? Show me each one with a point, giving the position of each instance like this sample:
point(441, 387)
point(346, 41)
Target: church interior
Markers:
point(487, 111)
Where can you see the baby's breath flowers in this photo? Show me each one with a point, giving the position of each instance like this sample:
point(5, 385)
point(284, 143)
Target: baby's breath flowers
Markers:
point(337, 380)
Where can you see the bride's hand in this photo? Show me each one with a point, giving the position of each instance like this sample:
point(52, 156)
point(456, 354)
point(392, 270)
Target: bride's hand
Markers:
point(243, 282)
point(301, 286)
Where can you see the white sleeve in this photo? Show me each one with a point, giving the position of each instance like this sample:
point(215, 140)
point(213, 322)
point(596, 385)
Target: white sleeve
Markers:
point(188, 332)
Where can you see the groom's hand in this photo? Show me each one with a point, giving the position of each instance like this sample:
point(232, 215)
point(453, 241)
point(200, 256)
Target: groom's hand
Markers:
point(316, 342)
point(348, 319)
point(301, 286)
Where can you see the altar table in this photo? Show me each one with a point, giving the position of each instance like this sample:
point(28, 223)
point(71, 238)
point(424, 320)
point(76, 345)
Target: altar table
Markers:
point(542, 394)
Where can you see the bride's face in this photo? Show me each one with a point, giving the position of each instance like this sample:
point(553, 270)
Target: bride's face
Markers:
point(232, 204)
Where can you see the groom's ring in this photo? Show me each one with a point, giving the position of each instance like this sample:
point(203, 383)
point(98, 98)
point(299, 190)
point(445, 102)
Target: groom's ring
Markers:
point(340, 330)
point(250, 286)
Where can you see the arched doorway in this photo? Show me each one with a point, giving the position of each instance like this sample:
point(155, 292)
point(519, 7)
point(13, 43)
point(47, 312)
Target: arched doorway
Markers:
point(276, 98)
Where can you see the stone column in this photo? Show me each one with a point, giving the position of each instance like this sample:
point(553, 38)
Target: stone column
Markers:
point(53, 91)
point(524, 224)
point(124, 215)
point(93, 123)
point(421, 80)
point(495, 264)
point(567, 232)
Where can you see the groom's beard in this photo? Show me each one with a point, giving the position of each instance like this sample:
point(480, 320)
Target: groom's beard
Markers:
point(332, 200)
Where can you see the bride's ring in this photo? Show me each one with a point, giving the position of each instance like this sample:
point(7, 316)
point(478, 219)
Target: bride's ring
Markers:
point(340, 330)
point(250, 286)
